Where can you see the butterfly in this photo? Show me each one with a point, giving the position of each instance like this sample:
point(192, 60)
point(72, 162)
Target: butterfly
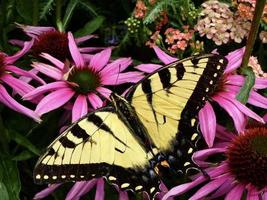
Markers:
point(131, 141)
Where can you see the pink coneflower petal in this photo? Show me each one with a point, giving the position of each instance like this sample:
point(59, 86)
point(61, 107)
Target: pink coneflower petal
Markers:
point(165, 58)
point(100, 193)
point(80, 108)
point(48, 70)
point(123, 195)
point(30, 74)
point(84, 38)
point(257, 100)
point(44, 193)
point(45, 88)
point(54, 100)
point(79, 189)
point(15, 42)
point(252, 194)
point(116, 67)
point(148, 68)
point(223, 134)
point(235, 60)
point(75, 54)
point(104, 92)
point(34, 31)
point(201, 155)
point(127, 77)
point(90, 49)
point(99, 60)
point(7, 100)
point(260, 83)
point(232, 110)
point(53, 60)
point(95, 100)
point(19, 86)
point(24, 50)
point(235, 193)
point(207, 122)
point(242, 107)
point(224, 189)
point(265, 117)
point(209, 188)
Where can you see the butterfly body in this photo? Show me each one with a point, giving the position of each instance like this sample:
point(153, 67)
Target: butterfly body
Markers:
point(135, 139)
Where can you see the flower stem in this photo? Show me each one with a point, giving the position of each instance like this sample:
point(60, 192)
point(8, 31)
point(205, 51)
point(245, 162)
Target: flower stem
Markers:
point(58, 15)
point(35, 17)
point(253, 31)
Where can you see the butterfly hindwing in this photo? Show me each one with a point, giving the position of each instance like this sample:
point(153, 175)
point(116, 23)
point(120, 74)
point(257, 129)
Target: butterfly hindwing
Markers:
point(98, 145)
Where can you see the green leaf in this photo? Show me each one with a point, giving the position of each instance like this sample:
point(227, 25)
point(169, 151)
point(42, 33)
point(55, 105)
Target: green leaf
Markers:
point(23, 141)
point(25, 10)
point(90, 26)
point(69, 11)
point(243, 95)
point(46, 6)
point(9, 176)
point(24, 155)
point(3, 191)
point(89, 7)
point(4, 137)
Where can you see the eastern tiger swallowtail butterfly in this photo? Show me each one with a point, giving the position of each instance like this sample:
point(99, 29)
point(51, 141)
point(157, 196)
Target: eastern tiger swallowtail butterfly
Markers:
point(132, 139)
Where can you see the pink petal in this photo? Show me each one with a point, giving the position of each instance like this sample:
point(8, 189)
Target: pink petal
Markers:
point(123, 195)
point(148, 68)
point(100, 193)
point(207, 119)
point(260, 83)
point(80, 188)
point(202, 155)
point(76, 55)
point(48, 70)
point(224, 189)
point(208, 188)
point(87, 57)
point(80, 108)
point(99, 60)
point(24, 50)
point(17, 85)
point(233, 111)
point(234, 60)
point(45, 88)
point(35, 31)
point(235, 79)
point(95, 101)
point(235, 193)
point(54, 100)
point(84, 38)
point(7, 100)
point(116, 66)
point(104, 92)
point(165, 58)
point(223, 134)
point(53, 60)
point(257, 100)
point(44, 193)
point(127, 77)
point(90, 49)
point(252, 194)
point(265, 117)
point(242, 107)
point(15, 42)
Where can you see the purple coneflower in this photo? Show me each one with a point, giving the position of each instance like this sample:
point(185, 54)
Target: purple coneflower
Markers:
point(242, 172)
point(224, 95)
point(8, 77)
point(82, 84)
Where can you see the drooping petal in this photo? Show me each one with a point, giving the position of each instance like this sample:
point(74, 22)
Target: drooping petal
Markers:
point(53, 60)
point(80, 188)
point(17, 85)
point(209, 188)
point(16, 56)
point(84, 38)
point(224, 189)
point(223, 134)
point(99, 60)
point(207, 122)
point(116, 67)
point(104, 92)
point(30, 74)
point(100, 193)
point(233, 111)
point(80, 108)
point(95, 100)
point(54, 100)
point(127, 77)
point(35, 31)
point(260, 83)
point(165, 58)
point(7, 100)
point(202, 155)
point(123, 195)
point(234, 60)
point(44, 193)
point(45, 88)
point(235, 193)
point(48, 70)
point(148, 68)
point(75, 54)
point(90, 49)
point(15, 42)
point(257, 100)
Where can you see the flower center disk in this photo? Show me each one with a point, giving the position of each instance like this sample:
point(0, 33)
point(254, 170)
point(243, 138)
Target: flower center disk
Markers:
point(85, 80)
point(247, 157)
point(54, 43)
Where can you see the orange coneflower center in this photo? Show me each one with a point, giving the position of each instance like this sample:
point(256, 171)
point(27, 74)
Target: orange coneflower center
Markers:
point(54, 43)
point(84, 80)
point(247, 157)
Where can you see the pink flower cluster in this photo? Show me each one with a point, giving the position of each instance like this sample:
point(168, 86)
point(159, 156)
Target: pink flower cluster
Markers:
point(140, 9)
point(178, 40)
